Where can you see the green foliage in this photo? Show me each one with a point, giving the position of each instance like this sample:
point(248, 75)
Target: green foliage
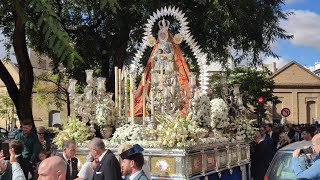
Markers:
point(55, 36)
point(51, 89)
point(254, 83)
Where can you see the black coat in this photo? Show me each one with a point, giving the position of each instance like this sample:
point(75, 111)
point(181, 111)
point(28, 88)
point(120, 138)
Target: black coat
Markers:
point(108, 168)
point(74, 164)
point(25, 166)
point(261, 158)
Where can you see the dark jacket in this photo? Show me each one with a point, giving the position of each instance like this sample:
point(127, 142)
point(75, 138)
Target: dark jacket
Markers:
point(260, 160)
point(108, 168)
point(74, 165)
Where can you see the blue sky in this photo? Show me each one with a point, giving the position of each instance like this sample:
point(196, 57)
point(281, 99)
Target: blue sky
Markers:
point(304, 24)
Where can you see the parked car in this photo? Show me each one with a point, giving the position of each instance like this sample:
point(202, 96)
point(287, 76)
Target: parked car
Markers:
point(281, 167)
point(3, 133)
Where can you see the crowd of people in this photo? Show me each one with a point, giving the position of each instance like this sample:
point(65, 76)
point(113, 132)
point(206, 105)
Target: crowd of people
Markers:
point(35, 157)
point(269, 139)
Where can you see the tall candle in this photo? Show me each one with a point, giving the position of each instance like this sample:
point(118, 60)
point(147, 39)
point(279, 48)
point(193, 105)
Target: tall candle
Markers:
point(120, 91)
point(131, 100)
point(143, 98)
point(125, 93)
point(116, 86)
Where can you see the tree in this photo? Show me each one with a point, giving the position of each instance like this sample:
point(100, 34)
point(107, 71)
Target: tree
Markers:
point(254, 83)
point(105, 38)
point(6, 108)
point(51, 89)
point(21, 19)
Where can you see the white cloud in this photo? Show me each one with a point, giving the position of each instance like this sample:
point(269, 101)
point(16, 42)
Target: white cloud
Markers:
point(293, 1)
point(305, 26)
point(279, 62)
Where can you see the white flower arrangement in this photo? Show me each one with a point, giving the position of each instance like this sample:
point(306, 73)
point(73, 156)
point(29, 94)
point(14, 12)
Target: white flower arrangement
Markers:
point(219, 114)
point(200, 110)
point(243, 128)
point(105, 113)
point(130, 132)
point(177, 131)
point(75, 130)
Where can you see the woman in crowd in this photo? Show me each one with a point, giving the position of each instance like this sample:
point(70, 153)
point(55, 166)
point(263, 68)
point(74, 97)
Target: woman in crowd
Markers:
point(45, 143)
point(283, 140)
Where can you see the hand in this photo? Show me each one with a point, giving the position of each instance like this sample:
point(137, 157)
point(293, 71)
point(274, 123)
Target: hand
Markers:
point(12, 156)
point(296, 153)
point(3, 164)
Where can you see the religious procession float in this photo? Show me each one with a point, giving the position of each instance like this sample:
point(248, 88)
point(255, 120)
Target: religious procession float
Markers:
point(185, 133)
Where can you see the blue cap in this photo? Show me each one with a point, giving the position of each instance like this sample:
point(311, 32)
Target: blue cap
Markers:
point(134, 150)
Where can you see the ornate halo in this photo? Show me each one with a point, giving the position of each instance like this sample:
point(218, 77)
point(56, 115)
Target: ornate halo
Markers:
point(185, 32)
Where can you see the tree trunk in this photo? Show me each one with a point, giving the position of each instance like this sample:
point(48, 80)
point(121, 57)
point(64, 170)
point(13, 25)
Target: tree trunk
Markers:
point(24, 101)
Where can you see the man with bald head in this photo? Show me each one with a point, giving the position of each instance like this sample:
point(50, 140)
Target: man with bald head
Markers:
point(52, 168)
point(108, 167)
point(313, 172)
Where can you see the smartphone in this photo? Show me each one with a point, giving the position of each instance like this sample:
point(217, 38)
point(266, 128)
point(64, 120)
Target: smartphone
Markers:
point(5, 148)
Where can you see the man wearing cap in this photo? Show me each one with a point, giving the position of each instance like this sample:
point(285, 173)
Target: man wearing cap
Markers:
point(132, 162)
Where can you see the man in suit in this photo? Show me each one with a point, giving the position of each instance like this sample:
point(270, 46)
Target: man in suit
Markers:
point(108, 167)
point(260, 158)
point(52, 168)
point(273, 136)
point(68, 155)
point(132, 163)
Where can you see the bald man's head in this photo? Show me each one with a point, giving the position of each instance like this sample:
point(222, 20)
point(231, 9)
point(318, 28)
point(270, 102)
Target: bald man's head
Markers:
point(316, 143)
point(52, 168)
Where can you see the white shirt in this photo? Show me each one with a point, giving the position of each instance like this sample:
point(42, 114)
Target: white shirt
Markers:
point(86, 171)
point(102, 155)
point(270, 134)
point(260, 141)
point(17, 173)
point(134, 175)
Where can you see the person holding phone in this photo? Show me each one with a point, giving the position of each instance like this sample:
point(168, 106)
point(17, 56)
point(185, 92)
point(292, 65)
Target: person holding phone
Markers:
point(17, 172)
point(313, 171)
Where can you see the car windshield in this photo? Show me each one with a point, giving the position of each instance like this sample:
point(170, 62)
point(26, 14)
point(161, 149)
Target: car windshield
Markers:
point(281, 167)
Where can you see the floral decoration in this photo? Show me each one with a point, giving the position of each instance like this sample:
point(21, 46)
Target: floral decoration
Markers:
point(219, 114)
point(178, 38)
point(105, 113)
point(200, 110)
point(162, 165)
point(75, 130)
point(177, 131)
point(151, 41)
point(130, 132)
point(243, 128)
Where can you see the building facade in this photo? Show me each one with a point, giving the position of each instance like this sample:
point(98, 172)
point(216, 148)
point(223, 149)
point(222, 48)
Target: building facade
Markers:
point(298, 90)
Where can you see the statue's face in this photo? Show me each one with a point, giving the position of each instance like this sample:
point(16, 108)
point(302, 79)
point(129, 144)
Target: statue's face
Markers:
point(107, 131)
point(163, 35)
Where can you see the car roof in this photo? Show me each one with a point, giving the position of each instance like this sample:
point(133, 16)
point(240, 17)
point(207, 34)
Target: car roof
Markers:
point(296, 145)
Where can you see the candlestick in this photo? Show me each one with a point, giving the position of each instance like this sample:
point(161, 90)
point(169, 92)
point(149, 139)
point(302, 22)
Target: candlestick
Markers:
point(89, 78)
